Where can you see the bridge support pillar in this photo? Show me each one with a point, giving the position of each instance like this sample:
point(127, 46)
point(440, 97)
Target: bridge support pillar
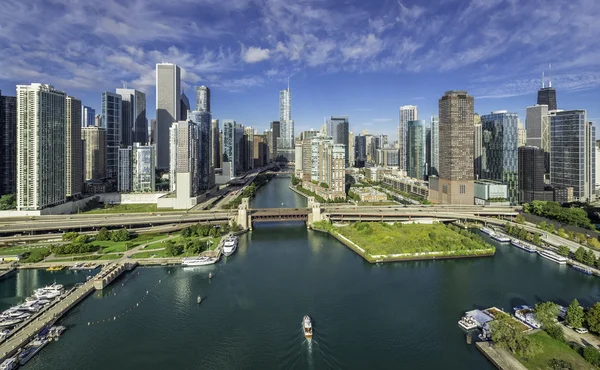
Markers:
point(315, 215)
point(243, 215)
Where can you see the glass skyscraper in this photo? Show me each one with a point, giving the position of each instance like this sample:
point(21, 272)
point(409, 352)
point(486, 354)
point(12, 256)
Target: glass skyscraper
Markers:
point(500, 153)
point(415, 150)
point(338, 128)
point(111, 120)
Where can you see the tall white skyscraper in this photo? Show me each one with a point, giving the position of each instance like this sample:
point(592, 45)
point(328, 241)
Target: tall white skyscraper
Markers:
point(143, 168)
point(407, 113)
point(184, 156)
point(435, 146)
point(168, 104)
point(41, 147)
point(537, 124)
point(133, 123)
point(285, 142)
point(74, 154)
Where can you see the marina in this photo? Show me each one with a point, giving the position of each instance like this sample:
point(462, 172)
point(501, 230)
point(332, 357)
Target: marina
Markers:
point(199, 261)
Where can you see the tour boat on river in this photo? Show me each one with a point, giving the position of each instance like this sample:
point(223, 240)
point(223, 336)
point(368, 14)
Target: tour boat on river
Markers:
point(524, 246)
point(198, 261)
point(307, 326)
point(487, 231)
point(585, 270)
point(500, 238)
point(553, 257)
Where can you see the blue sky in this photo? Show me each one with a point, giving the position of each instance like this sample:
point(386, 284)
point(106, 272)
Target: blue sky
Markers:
point(358, 58)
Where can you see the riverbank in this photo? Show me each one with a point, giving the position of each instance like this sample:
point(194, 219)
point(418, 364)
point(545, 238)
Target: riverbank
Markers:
point(377, 242)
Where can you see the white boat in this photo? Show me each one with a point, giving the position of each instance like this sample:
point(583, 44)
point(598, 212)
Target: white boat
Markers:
point(487, 231)
point(553, 257)
point(9, 364)
point(31, 349)
point(585, 270)
point(230, 245)
point(524, 246)
point(468, 323)
point(525, 314)
point(9, 323)
point(198, 261)
point(307, 326)
point(500, 238)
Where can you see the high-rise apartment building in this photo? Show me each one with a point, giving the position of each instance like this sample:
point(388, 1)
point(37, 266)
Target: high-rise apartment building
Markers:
point(215, 153)
point(500, 155)
point(143, 168)
point(531, 175)
point(98, 120)
point(572, 157)
point(477, 150)
point(111, 120)
point(8, 144)
point(133, 112)
point(95, 152)
point(260, 151)
point(407, 113)
point(125, 177)
point(275, 135)
point(338, 128)
point(435, 146)
point(522, 134)
point(74, 154)
point(455, 182)
point(41, 147)
point(206, 174)
point(249, 153)
point(184, 157)
point(233, 135)
point(168, 105)
point(351, 149)
point(537, 125)
point(88, 116)
point(203, 99)
point(415, 149)
point(328, 165)
point(285, 142)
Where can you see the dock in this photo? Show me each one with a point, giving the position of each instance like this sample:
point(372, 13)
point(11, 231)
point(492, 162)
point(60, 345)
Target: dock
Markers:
point(500, 357)
point(49, 315)
point(5, 274)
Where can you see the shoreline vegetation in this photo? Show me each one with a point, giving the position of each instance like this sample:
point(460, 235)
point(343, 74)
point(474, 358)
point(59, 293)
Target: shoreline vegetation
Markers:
point(381, 242)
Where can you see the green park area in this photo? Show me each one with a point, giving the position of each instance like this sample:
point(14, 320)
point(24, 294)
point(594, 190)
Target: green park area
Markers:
point(127, 208)
point(550, 351)
point(411, 240)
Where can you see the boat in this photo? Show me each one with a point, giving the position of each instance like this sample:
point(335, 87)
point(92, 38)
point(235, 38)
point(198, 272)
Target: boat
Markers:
point(485, 230)
point(585, 270)
point(500, 238)
point(307, 325)
point(31, 350)
point(199, 299)
point(56, 331)
point(553, 257)
point(525, 314)
point(9, 323)
point(523, 246)
point(230, 245)
point(55, 268)
point(468, 323)
point(9, 364)
point(198, 261)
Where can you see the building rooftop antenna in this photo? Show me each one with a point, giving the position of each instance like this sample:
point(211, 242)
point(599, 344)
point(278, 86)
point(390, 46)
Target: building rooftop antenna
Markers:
point(550, 77)
point(543, 82)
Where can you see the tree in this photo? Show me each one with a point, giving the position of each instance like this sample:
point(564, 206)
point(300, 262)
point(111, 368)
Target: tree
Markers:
point(563, 251)
point(520, 219)
point(173, 249)
point(70, 236)
point(103, 234)
point(8, 202)
point(589, 258)
point(591, 355)
point(580, 254)
point(546, 313)
point(542, 225)
point(574, 316)
point(592, 317)
point(507, 335)
point(120, 235)
point(82, 239)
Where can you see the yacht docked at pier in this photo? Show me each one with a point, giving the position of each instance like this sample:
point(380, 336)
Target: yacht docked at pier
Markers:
point(230, 245)
point(198, 261)
point(553, 257)
point(524, 246)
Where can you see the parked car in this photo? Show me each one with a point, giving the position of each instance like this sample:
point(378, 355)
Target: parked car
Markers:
point(581, 330)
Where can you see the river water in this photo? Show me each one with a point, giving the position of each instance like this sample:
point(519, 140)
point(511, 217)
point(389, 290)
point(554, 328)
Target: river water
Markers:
point(398, 315)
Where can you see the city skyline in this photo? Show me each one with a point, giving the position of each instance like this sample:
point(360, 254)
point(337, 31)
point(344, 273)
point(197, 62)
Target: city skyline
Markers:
point(325, 61)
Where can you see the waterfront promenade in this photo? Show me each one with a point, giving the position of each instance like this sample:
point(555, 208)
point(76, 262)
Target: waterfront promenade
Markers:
point(23, 335)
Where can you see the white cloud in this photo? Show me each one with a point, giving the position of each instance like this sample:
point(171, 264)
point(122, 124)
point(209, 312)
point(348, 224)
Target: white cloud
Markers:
point(255, 55)
point(365, 47)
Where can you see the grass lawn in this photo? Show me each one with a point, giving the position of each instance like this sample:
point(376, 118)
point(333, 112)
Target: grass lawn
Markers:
point(88, 257)
point(129, 208)
point(157, 254)
point(382, 239)
point(550, 349)
point(110, 256)
point(20, 249)
point(120, 247)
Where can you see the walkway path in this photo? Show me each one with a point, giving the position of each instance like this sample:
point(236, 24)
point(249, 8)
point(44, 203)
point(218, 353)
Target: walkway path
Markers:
point(499, 356)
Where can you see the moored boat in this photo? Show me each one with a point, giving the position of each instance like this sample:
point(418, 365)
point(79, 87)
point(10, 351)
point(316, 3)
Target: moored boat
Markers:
point(485, 230)
point(9, 364)
point(468, 323)
point(31, 350)
point(500, 238)
point(585, 270)
point(198, 261)
point(523, 246)
point(230, 245)
point(553, 257)
point(307, 326)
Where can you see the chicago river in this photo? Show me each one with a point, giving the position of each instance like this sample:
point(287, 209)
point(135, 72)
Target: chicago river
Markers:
point(397, 315)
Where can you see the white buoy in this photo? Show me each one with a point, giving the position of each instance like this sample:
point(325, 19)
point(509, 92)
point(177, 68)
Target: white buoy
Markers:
point(115, 318)
point(199, 299)
point(210, 275)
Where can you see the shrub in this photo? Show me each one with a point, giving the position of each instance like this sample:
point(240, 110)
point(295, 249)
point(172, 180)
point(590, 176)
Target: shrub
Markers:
point(591, 355)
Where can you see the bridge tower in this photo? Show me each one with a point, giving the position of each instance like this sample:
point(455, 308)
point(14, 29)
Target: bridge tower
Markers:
point(242, 218)
point(315, 215)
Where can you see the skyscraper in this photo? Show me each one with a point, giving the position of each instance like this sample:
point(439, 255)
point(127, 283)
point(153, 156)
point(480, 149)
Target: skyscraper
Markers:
point(87, 116)
point(230, 147)
point(522, 134)
point(215, 154)
point(95, 152)
point(531, 174)
point(435, 146)
point(41, 147)
point(134, 125)
point(111, 120)
point(350, 149)
point(184, 157)
point(415, 150)
point(500, 159)
point(143, 168)
point(249, 152)
point(455, 183)
point(125, 177)
point(477, 150)
point(203, 99)
point(360, 151)
point(74, 154)
point(285, 143)
point(547, 96)
point(538, 131)
point(168, 100)
point(338, 128)
point(275, 135)
point(205, 174)
point(184, 107)
point(407, 113)
point(8, 144)
point(571, 144)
